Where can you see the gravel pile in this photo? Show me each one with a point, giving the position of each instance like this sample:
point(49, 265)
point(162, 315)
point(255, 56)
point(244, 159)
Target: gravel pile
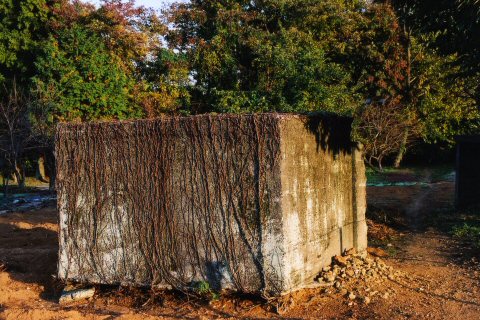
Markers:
point(359, 278)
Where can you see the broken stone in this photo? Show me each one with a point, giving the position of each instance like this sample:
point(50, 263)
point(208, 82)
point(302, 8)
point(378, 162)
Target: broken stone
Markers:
point(357, 274)
point(329, 277)
point(377, 252)
point(341, 261)
point(351, 252)
point(76, 295)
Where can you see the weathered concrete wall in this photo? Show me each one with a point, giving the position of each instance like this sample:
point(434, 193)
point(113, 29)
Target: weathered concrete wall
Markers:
point(323, 195)
point(467, 178)
point(252, 203)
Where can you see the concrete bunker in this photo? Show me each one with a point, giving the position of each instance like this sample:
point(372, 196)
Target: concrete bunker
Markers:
point(255, 203)
point(467, 177)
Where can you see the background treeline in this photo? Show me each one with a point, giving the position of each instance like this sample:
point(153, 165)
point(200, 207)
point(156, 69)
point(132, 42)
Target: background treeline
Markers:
point(408, 71)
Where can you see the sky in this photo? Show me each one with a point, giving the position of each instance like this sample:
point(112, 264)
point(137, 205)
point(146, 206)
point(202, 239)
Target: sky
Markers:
point(156, 4)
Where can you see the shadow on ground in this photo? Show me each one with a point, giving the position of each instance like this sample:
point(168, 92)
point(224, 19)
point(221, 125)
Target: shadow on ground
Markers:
point(29, 248)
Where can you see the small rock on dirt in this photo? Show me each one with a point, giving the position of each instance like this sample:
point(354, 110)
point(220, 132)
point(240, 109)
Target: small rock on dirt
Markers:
point(377, 252)
point(341, 261)
point(76, 294)
point(351, 252)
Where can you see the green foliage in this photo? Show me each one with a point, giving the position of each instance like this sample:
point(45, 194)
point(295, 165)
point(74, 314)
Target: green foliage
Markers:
point(263, 56)
point(421, 92)
point(376, 55)
point(294, 75)
point(406, 70)
point(445, 107)
point(78, 79)
point(468, 233)
point(236, 101)
point(22, 24)
point(299, 77)
point(456, 25)
point(132, 32)
point(166, 80)
point(203, 288)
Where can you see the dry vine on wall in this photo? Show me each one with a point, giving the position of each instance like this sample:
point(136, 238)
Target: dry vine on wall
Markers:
point(169, 201)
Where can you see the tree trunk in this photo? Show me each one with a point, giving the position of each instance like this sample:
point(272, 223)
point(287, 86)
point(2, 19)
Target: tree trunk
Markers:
point(401, 150)
point(20, 176)
point(41, 169)
point(13, 178)
point(51, 183)
point(50, 164)
point(6, 179)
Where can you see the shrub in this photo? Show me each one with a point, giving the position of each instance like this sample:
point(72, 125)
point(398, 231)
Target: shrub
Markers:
point(468, 233)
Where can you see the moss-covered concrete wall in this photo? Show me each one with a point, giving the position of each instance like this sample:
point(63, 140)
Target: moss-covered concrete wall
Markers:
point(256, 203)
point(323, 194)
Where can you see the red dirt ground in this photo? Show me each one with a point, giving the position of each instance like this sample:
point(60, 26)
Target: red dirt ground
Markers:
point(443, 279)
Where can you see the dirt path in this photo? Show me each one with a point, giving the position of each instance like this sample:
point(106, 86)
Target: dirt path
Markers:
point(441, 281)
point(444, 285)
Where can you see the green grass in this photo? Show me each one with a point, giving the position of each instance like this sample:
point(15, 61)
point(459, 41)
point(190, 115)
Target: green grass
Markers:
point(392, 251)
point(31, 185)
point(416, 173)
point(468, 232)
point(203, 289)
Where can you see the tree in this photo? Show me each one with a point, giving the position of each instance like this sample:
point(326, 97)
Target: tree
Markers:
point(166, 83)
point(15, 133)
point(132, 32)
point(455, 26)
point(444, 99)
point(81, 63)
point(396, 65)
point(22, 25)
point(381, 128)
point(250, 56)
point(78, 79)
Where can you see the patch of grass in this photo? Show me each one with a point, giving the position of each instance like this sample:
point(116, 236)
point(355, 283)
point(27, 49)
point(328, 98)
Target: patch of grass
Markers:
point(441, 172)
point(392, 251)
point(375, 176)
point(29, 182)
point(415, 173)
point(203, 289)
point(443, 219)
point(32, 185)
point(468, 232)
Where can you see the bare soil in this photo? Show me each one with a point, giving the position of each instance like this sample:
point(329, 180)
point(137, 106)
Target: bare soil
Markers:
point(409, 224)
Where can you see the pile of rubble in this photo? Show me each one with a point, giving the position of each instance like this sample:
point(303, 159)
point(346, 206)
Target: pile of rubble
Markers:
point(359, 278)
